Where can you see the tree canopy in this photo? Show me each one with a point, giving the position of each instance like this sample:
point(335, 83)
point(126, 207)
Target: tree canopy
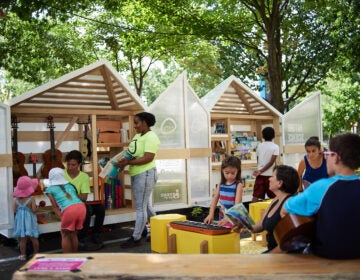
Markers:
point(293, 45)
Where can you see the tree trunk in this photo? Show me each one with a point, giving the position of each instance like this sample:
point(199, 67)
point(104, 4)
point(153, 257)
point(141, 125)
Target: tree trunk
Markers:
point(274, 62)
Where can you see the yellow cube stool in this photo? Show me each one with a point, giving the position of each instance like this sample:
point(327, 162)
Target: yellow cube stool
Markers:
point(158, 227)
point(256, 211)
point(188, 242)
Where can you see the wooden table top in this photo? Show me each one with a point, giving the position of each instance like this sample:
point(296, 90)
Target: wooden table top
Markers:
point(210, 266)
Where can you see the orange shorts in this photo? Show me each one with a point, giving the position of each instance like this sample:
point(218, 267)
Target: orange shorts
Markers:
point(73, 217)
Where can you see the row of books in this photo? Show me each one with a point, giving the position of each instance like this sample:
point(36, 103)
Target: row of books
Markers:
point(113, 194)
point(215, 157)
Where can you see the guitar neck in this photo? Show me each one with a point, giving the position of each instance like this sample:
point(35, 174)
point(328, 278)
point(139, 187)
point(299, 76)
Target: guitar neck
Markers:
point(15, 146)
point(15, 140)
point(52, 144)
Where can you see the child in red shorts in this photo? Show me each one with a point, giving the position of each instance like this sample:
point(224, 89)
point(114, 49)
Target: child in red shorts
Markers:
point(68, 206)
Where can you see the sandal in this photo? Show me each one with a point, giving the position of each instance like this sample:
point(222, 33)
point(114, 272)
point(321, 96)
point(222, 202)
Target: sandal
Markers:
point(22, 258)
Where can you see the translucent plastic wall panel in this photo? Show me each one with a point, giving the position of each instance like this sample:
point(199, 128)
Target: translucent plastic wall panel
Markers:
point(4, 133)
point(199, 122)
point(6, 216)
point(199, 177)
point(171, 185)
point(303, 121)
point(300, 123)
point(168, 109)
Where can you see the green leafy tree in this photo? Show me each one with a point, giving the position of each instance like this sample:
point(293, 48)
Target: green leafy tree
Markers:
point(136, 41)
point(291, 43)
point(341, 107)
point(36, 53)
point(341, 90)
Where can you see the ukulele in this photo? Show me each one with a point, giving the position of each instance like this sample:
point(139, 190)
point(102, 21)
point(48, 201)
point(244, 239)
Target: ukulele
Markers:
point(18, 158)
point(52, 157)
point(33, 160)
point(86, 148)
point(294, 232)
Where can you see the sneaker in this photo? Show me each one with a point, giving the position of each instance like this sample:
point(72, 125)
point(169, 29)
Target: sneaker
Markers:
point(82, 246)
point(130, 243)
point(89, 247)
point(144, 233)
point(97, 240)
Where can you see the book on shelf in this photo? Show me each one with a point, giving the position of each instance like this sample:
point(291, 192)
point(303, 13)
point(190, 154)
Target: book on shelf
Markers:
point(238, 215)
point(248, 188)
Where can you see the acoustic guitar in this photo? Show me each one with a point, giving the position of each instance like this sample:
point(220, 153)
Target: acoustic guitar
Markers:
point(294, 232)
point(18, 158)
point(52, 157)
point(33, 160)
point(86, 148)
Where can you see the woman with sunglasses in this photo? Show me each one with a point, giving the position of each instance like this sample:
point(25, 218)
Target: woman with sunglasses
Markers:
point(142, 169)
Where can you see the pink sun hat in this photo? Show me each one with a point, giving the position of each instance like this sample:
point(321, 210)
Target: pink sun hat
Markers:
point(25, 186)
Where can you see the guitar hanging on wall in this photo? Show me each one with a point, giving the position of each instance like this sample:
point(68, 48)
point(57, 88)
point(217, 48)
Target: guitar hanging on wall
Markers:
point(33, 160)
point(86, 147)
point(18, 158)
point(52, 157)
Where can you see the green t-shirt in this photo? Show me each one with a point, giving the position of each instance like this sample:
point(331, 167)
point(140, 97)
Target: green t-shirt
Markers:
point(81, 182)
point(141, 144)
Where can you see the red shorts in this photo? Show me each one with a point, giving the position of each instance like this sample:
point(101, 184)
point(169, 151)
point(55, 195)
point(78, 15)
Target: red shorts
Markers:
point(73, 217)
point(261, 187)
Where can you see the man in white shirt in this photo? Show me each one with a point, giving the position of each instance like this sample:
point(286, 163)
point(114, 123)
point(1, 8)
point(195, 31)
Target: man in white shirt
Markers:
point(267, 152)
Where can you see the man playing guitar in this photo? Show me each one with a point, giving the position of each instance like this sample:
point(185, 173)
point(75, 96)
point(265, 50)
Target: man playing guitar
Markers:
point(334, 201)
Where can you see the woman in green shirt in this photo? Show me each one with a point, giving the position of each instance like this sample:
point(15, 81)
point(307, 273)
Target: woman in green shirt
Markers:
point(142, 169)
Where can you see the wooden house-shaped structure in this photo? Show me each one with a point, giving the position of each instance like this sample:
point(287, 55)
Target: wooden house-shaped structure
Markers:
point(55, 116)
point(238, 115)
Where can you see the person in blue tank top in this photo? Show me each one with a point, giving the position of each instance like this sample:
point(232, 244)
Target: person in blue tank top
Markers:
point(334, 202)
point(313, 166)
point(229, 191)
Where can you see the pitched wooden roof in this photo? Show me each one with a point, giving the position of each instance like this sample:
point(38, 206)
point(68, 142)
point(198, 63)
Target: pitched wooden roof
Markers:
point(97, 86)
point(232, 96)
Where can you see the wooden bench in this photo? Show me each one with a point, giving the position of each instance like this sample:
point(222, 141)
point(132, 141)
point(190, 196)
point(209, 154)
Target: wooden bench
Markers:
point(195, 266)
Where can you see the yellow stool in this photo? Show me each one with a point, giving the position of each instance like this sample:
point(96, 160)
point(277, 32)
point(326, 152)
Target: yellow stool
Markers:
point(256, 211)
point(158, 227)
point(188, 242)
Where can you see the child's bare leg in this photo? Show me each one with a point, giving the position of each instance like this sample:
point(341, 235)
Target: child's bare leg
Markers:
point(74, 242)
point(23, 241)
point(35, 243)
point(66, 244)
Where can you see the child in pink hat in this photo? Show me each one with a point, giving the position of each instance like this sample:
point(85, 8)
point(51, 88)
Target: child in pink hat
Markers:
point(25, 225)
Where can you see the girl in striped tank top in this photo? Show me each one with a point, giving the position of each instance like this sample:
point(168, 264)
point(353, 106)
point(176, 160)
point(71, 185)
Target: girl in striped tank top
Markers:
point(229, 191)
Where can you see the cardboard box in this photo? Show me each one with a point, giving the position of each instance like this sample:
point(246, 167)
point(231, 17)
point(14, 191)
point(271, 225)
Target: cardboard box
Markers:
point(108, 126)
point(109, 137)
